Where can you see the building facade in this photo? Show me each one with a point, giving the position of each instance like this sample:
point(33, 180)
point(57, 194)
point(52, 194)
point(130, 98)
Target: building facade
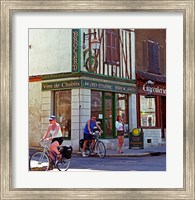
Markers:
point(151, 84)
point(77, 73)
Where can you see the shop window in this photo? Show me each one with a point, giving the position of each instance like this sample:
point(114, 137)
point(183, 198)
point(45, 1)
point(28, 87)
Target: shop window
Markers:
point(112, 46)
point(122, 108)
point(62, 108)
point(96, 105)
point(147, 111)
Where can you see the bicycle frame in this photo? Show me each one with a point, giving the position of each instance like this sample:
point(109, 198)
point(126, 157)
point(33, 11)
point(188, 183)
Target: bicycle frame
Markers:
point(89, 145)
point(47, 151)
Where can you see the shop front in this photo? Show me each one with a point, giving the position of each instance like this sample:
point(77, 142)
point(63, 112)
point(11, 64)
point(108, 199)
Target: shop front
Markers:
point(74, 100)
point(151, 109)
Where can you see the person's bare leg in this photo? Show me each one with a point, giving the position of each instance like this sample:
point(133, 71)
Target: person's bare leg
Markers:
point(54, 147)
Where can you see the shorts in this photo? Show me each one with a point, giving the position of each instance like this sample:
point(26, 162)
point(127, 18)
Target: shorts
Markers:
point(59, 139)
point(87, 136)
point(120, 133)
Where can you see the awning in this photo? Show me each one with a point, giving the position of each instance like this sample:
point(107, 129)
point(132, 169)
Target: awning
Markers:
point(150, 76)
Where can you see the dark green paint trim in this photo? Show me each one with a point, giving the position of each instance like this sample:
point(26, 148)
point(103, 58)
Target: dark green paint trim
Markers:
point(114, 115)
point(75, 50)
point(104, 114)
point(85, 74)
point(79, 51)
point(84, 83)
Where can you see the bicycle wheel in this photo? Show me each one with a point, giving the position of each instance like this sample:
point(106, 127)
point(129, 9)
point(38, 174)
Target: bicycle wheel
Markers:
point(100, 149)
point(87, 152)
point(63, 164)
point(39, 161)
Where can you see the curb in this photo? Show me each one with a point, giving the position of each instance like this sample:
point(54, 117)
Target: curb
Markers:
point(127, 155)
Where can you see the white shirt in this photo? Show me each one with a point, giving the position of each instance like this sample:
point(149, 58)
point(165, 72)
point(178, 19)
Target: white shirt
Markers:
point(119, 126)
point(52, 132)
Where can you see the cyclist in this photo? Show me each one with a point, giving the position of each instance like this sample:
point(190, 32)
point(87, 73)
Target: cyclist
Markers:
point(91, 123)
point(55, 135)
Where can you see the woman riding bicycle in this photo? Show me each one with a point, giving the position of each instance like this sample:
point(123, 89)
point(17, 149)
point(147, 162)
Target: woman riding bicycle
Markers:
point(91, 123)
point(55, 135)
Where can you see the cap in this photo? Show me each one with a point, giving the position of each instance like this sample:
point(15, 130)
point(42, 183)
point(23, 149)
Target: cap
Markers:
point(52, 117)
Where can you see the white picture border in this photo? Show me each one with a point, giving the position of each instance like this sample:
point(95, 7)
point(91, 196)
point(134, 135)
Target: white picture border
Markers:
point(173, 177)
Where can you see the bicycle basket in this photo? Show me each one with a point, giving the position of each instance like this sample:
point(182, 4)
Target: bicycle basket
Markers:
point(66, 151)
point(46, 143)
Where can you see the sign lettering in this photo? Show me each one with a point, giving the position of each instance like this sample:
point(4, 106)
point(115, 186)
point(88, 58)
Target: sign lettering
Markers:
point(83, 83)
point(155, 90)
point(75, 45)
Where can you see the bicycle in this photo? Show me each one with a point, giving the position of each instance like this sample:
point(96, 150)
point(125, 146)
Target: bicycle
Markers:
point(42, 161)
point(98, 148)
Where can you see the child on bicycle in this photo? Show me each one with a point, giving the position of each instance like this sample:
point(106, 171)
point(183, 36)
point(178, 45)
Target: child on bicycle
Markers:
point(91, 123)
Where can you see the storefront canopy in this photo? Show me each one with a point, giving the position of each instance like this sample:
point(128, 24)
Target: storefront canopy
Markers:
point(149, 76)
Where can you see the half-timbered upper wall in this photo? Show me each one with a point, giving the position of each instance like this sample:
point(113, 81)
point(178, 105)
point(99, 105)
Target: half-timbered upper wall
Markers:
point(49, 51)
point(114, 57)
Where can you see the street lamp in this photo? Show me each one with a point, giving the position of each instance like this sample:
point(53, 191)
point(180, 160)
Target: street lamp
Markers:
point(149, 87)
point(95, 43)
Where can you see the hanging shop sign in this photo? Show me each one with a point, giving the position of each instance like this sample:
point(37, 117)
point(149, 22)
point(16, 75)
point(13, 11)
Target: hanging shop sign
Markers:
point(157, 89)
point(136, 139)
point(88, 84)
point(75, 50)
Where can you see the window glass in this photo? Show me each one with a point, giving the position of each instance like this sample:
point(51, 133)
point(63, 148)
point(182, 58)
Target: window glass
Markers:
point(147, 111)
point(96, 105)
point(62, 107)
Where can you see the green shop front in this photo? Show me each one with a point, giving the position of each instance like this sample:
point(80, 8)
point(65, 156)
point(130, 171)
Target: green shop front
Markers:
point(77, 97)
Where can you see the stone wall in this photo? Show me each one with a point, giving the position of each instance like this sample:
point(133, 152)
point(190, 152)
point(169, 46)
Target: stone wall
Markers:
point(152, 137)
point(80, 111)
point(35, 113)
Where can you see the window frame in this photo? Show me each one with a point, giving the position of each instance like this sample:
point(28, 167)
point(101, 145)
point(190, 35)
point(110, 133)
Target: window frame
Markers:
point(112, 35)
point(157, 112)
point(55, 112)
point(114, 113)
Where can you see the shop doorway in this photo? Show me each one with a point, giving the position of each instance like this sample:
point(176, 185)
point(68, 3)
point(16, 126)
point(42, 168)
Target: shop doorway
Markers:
point(106, 106)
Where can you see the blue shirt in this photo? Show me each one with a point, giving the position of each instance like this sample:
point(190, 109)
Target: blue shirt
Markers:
point(92, 124)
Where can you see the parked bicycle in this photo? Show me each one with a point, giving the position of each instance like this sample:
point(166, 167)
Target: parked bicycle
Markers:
point(98, 148)
point(42, 161)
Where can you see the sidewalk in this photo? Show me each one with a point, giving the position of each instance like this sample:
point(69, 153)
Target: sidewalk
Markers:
point(148, 151)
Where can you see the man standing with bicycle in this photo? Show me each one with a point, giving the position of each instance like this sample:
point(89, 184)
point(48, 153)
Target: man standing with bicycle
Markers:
point(88, 132)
